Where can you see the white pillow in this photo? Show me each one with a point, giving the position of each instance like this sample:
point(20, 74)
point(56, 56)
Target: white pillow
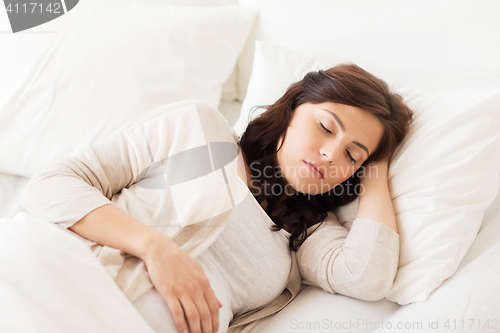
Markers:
point(20, 51)
point(110, 62)
point(453, 41)
point(442, 177)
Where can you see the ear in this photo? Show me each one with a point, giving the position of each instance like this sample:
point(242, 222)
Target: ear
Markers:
point(280, 140)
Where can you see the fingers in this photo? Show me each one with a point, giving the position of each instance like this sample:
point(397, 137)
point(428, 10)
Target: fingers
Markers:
point(213, 306)
point(199, 314)
point(206, 313)
point(182, 283)
point(203, 316)
point(192, 315)
point(177, 314)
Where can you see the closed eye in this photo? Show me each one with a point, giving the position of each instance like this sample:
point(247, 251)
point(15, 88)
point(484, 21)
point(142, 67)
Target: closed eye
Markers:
point(353, 161)
point(324, 128)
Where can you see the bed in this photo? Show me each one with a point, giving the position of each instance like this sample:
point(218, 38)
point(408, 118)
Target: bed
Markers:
point(83, 75)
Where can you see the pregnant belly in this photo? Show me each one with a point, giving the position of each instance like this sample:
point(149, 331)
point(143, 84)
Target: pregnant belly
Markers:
point(249, 275)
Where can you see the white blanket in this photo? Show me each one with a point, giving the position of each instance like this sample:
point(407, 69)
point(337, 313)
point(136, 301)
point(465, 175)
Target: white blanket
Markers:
point(48, 288)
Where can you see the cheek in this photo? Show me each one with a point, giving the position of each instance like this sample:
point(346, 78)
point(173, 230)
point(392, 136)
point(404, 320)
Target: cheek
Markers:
point(341, 173)
point(292, 147)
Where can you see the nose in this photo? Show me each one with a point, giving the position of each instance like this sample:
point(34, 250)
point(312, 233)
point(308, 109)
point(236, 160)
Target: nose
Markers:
point(330, 153)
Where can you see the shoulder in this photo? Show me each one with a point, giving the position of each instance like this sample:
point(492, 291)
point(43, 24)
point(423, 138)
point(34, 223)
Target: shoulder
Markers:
point(330, 220)
point(213, 120)
point(183, 114)
point(186, 109)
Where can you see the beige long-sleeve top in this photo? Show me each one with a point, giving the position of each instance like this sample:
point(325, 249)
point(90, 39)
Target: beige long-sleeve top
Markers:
point(175, 168)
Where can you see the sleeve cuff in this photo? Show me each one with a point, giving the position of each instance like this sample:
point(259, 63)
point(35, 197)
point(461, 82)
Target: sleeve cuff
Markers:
point(368, 228)
point(78, 209)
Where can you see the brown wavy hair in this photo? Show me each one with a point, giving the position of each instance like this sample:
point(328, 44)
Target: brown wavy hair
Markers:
point(346, 84)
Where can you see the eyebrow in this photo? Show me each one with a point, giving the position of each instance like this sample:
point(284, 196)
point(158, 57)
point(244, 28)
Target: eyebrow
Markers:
point(342, 128)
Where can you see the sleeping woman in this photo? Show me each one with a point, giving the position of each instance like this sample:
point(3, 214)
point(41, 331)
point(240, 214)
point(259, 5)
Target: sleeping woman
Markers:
point(204, 231)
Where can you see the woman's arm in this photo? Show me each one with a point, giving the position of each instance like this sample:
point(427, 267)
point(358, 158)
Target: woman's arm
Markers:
point(109, 226)
point(76, 192)
point(178, 278)
point(360, 262)
point(375, 199)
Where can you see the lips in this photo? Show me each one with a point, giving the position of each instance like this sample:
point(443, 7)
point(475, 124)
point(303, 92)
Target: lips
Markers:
point(314, 169)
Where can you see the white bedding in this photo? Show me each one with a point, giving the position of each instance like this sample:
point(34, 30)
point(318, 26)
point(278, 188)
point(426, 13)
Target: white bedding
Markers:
point(11, 188)
point(60, 287)
point(49, 288)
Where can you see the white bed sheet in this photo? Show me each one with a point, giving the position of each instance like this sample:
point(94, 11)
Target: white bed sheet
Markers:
point(11, 188)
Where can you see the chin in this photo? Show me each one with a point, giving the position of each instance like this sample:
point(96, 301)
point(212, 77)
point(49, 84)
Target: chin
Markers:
point(307, 188)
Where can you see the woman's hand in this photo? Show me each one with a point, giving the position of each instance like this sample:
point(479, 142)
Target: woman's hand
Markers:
point(181, 282)
point(375, 199)
point(178, 278)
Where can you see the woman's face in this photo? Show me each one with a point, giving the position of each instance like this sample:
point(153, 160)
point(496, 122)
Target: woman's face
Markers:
point(337, 138)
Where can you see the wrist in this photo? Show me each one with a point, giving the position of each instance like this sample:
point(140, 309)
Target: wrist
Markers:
point(153, 243)
point(376, 170)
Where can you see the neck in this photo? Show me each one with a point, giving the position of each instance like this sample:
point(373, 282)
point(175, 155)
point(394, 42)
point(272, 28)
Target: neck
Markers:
point(248, 176)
